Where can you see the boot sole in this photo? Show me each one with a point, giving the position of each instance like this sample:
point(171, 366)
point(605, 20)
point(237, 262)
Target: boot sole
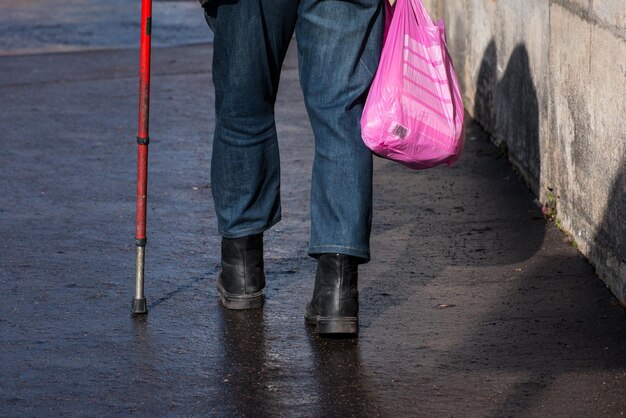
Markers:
point(334, 325)
point(240, 302)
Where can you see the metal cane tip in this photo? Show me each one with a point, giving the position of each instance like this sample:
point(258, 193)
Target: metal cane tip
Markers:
point(140, 306)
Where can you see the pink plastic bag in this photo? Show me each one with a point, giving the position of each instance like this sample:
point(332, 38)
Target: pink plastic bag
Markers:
point(414, 111)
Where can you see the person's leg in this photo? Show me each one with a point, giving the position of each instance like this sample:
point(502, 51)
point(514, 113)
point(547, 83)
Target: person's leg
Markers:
point(250, 43)
point(339, 44)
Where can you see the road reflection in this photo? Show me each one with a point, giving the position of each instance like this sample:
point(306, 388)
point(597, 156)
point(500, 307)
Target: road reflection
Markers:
point(245, 387)
point(340, 378)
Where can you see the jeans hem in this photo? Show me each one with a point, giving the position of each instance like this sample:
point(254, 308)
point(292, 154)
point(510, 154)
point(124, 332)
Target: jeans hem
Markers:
point(362, 254)
point(249, 231)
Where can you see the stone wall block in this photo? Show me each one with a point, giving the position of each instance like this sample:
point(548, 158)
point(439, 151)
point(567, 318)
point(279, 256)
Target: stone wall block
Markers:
point(606, 185)
point(570, 38)
point(611, 12)
point(606, 150)
point(579, 4)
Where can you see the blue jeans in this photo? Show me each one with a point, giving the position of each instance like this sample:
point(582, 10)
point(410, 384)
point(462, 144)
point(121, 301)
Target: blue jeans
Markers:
point(339, 44)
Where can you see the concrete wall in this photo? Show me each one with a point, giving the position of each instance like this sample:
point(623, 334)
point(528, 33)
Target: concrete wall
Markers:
point(548, 79)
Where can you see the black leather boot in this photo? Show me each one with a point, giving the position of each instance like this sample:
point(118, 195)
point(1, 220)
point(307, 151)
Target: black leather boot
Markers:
point(242, 277)
point(334, 308)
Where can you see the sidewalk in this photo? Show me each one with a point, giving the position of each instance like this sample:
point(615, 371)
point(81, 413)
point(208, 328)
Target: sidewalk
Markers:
point(473, 304)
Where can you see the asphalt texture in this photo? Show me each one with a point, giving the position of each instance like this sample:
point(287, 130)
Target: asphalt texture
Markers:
point(473, 304)
point(44, 26)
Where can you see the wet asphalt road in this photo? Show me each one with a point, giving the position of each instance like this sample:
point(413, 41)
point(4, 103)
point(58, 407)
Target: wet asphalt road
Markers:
point(39, 26)
point(473, 304)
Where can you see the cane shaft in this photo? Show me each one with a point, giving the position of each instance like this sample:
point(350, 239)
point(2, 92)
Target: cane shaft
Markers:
point(141, 257)
point(144, 67)
point(144, 117)
point(139, 302)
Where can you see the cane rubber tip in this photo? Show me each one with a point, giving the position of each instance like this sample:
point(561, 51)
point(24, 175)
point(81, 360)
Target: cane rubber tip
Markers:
point(140, 306)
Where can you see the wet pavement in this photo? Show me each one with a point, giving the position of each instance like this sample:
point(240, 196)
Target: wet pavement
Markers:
point(473, 304)
point(39, 26)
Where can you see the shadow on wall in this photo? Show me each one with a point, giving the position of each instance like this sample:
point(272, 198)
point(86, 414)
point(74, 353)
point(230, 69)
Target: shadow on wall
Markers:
point(509, 109)
point(611, 234)
point(484, 99)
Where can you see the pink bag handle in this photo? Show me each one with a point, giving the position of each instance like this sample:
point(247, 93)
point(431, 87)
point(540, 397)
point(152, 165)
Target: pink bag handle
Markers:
point(421, 14)
point(419, 11)
point(389, 9)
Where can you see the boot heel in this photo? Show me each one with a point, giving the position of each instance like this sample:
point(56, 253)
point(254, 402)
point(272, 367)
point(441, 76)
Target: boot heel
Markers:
point(334, 307)
point(240, 302)
point(241, 279)
point(338, 326)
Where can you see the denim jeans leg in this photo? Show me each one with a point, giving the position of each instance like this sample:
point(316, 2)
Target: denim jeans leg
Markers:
point(339, 45)
point(250, 43)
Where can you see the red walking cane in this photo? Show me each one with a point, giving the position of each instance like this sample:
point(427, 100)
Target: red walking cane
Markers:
point(139, 301)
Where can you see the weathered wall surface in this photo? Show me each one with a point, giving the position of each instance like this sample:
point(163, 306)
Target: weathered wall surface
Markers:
point(548, 79)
